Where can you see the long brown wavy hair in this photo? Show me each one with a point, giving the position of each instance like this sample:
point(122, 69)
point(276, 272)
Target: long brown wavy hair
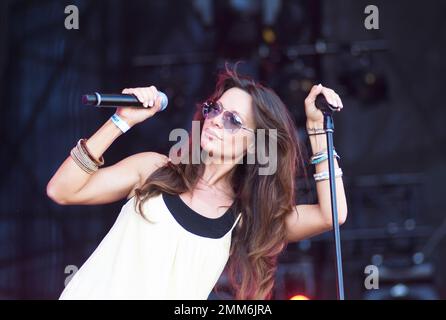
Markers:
point(263, 200)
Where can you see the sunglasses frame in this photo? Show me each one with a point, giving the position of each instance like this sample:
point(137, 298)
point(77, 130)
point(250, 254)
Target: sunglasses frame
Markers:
point(222, 110)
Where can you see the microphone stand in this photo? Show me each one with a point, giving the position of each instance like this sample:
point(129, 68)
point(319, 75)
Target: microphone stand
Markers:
point(327, 110)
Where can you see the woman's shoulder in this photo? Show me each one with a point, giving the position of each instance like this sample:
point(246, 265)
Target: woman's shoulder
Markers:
point(146, 164)
point(150, 161)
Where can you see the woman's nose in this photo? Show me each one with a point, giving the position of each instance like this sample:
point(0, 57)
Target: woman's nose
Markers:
point(218, 121)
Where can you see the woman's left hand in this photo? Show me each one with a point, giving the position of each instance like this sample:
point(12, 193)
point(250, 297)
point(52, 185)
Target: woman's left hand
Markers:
point(314, 115)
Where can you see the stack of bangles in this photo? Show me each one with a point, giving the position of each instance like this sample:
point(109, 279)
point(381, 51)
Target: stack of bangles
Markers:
point(321, 156)
point(83, 158)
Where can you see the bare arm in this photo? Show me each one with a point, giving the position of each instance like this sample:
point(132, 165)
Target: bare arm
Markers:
point(314, 219)
point(71, 185)
point(70, 178)
point(116, 182)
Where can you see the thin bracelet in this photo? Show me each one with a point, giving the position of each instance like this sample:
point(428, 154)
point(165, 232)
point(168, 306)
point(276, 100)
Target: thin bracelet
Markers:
point(324, 175)
point(121, 124)
point(322, 156)
point(316, 134)
point(322, 159)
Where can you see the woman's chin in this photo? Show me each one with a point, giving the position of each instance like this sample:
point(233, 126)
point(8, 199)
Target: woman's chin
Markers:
point(210, 151)
point(209, 146)
point(213, 150)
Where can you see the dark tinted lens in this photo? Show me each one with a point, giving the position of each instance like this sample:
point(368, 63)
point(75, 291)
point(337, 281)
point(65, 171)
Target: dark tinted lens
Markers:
point(204, 110)
point(231, 122)
point(210, 109)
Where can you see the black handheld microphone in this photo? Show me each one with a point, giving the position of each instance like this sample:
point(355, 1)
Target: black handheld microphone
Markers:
point(113, 100)
point(323, 105)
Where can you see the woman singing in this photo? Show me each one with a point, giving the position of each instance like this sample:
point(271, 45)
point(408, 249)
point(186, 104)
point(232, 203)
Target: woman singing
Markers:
point(185, 222)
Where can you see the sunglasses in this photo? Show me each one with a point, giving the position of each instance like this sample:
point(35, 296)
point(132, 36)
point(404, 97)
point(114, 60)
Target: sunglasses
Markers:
point(231, 121)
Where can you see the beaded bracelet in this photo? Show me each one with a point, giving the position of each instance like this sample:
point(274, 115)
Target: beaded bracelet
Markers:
point(322, 156)
point(324, 175)
point(315, 129)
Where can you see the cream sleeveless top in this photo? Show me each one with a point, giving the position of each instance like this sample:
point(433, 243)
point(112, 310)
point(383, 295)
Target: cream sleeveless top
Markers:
point(179, 256)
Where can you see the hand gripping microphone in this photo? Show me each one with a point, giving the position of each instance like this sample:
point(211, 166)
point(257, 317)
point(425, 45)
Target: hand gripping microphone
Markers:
point(122, 100)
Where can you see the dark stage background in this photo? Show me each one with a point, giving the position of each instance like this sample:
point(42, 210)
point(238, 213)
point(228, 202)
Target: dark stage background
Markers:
point(390, 135)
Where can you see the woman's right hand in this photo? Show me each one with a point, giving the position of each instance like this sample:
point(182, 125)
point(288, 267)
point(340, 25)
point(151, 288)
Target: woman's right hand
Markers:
point(148, 97)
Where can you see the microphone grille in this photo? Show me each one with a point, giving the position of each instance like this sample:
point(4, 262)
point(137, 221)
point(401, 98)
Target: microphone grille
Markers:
point(164, 100)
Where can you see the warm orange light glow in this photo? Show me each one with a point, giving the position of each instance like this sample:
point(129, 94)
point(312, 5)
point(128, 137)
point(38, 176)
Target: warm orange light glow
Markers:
point(299, 297)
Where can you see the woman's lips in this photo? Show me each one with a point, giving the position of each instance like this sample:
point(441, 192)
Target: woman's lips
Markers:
point(212, 133)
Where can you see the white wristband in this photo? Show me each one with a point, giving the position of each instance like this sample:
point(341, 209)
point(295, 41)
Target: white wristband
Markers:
point(121, 124)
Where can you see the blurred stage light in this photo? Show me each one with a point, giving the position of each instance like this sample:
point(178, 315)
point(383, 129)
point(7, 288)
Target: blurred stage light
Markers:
point(269, 36)
point(361, 80)
point(295, 280)
point(246, 7)
point(299, 297)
